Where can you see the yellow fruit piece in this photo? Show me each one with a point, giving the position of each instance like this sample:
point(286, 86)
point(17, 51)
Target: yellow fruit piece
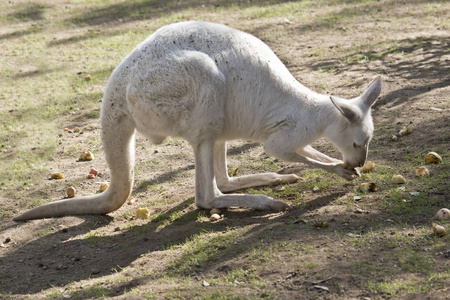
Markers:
point(368, 166)
point(214, 211)
point(103, 186)
point(422, 171)
point(438, 230)
point(232, 171)
point(142, 213)
point(433, 158)
point(86, 155)
point(443, 213)
point(71, 192)
point(214, 217)
point(57, 176)
point(368, 187)
point(398, 179)
point(405, 130)
point(87, 77)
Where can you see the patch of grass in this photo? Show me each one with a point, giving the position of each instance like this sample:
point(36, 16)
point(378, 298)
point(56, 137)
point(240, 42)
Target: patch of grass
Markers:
point(203, 248)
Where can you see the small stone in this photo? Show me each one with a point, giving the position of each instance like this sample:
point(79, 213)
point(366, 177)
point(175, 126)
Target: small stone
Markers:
point(205, 283)
point(394, 138)
point(398, 179)
point(433, 158)
point(359, 211)
point(321, 224)
point(316, 189)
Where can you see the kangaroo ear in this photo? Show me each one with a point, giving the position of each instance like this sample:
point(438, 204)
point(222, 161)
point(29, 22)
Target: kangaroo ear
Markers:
point(370, 95)
point(352, 114)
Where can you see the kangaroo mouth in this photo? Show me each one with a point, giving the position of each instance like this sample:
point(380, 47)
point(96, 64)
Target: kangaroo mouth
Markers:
point(350, 166)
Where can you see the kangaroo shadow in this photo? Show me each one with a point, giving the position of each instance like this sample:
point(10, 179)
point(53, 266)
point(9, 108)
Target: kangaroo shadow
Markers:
point(87, 250)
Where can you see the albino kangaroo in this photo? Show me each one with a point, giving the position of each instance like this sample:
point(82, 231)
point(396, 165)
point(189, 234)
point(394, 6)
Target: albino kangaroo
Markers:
point(208, 83)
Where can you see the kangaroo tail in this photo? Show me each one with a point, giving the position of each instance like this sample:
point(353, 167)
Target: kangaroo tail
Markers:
point(104, 203)
point(118, 139)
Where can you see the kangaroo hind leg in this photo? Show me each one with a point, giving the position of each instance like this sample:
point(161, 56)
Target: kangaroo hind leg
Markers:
point(230, 184)
point(207, 194)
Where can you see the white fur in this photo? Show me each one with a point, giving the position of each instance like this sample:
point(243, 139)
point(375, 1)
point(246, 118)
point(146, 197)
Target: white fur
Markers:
point(209, 83)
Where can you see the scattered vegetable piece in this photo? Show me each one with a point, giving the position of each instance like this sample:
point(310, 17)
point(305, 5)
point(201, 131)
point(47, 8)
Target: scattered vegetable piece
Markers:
point(433, 158)
point(71, 192)
point(86, 155)
point(57, 176)
point(142, 213)
point(214, 211)
point(214, 217)
point(368, 166)
point(405, 130)
point(422, 171)
point(103, 186)
point(368, 187)
point(438, 230)
point(93, 172)
point(443, 213)
point(398, 179)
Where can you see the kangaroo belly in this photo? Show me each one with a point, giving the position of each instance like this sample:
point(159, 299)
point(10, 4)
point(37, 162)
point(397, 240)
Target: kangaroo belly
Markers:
point(181, 94)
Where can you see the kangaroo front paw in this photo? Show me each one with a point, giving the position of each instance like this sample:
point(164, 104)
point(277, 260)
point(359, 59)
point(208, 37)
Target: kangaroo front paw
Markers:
point(279, 205)
point(346, 173)
point(290, 178)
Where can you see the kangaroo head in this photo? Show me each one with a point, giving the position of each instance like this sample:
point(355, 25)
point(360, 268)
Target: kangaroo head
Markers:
point(354, 132)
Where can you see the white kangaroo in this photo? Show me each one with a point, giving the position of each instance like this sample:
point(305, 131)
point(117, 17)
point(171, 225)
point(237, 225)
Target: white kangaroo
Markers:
point(208, 84)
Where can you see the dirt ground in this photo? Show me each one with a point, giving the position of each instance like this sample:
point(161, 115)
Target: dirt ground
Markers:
point(119, 256)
